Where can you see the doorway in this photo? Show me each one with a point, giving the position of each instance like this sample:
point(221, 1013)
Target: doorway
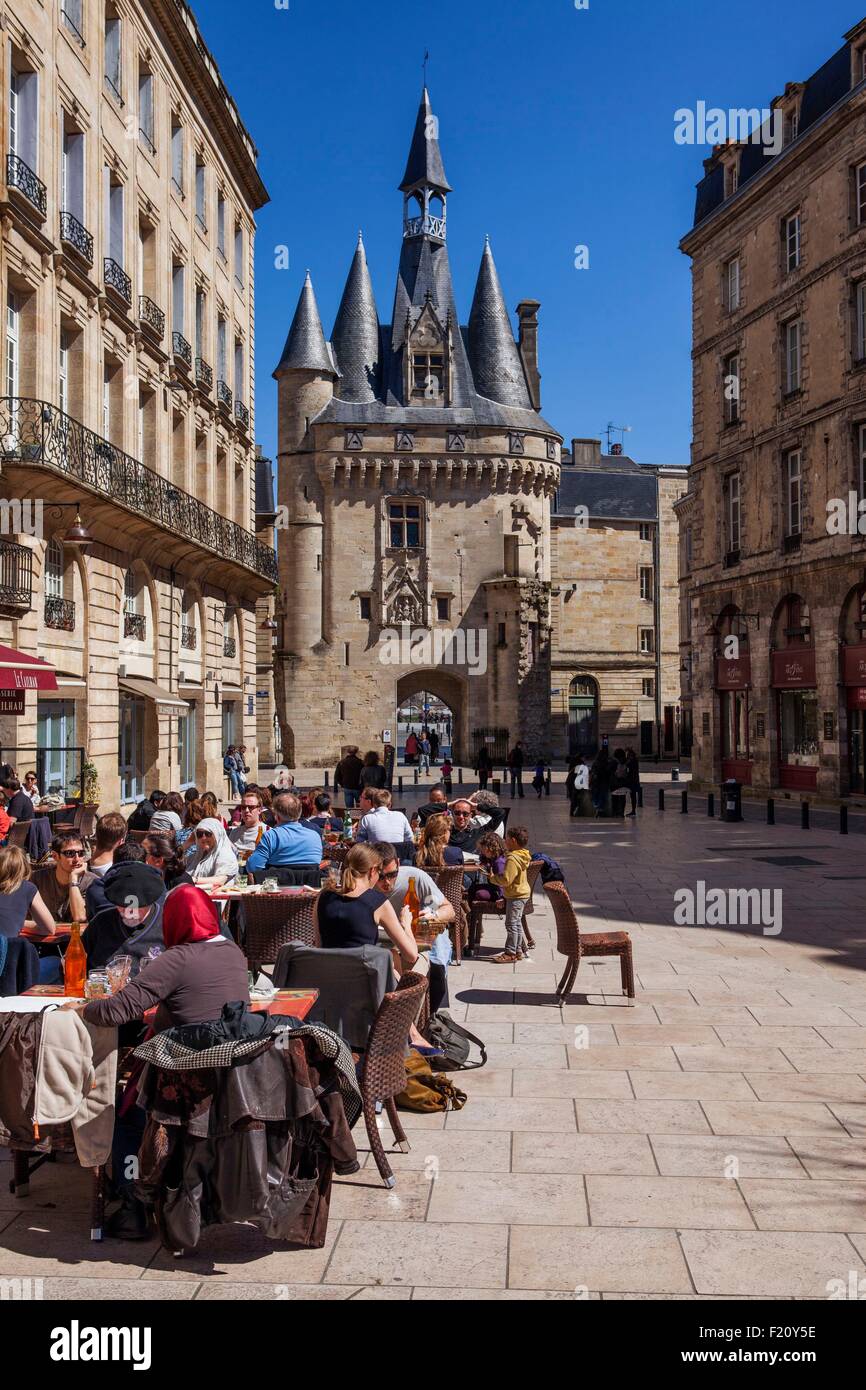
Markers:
point(583, 717)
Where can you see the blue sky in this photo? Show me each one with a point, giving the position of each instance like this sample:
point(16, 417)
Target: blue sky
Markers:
point(556, 126)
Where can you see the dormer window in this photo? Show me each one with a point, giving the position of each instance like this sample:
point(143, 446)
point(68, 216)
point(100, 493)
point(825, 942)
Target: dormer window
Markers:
point(792, 125)
point(732, 175)
point(428, 376)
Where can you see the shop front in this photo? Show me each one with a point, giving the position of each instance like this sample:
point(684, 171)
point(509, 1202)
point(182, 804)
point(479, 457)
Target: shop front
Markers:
point(796, 695)
point(733, 684)
point(854, 680)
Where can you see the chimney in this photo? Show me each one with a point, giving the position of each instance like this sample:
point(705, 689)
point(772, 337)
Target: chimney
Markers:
point(527, 312)
point(586, 453)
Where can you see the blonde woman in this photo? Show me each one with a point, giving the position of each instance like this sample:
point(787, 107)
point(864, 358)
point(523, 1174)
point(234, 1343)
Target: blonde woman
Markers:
point(21, 900)
point(434, 851)
point(353, 914)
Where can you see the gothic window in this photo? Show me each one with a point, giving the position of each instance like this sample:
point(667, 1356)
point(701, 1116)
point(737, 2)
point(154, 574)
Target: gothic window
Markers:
point(428, 376)
point(404, 525)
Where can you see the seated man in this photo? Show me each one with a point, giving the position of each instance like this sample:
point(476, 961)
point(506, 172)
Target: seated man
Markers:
point(463, 835)
point(18, 804)
point(124, 914)
point(394, 880)
point(382, 824)
point(322, 820)
point(436, 806)
point(110, 834)
point(289, 842)
point(63, 884)
point(143, 813)
point(247, 834)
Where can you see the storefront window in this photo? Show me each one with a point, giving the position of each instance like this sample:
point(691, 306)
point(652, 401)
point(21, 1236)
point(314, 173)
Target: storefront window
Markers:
point(131, 748)
point(186, 747)
point(798, 715)
point(55, 738)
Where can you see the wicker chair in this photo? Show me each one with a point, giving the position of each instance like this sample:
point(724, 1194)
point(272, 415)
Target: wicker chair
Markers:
point(384, 1071)
point(84, 820)
point(450, 880)
point(575, 944)
point(19, 835)
point(272, 921)
point(481, 909)
point(336, 854)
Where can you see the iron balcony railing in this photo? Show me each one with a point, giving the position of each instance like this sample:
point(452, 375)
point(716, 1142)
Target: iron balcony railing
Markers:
point(181, 348)
point(242, 415)
point(74, 233)
point(135, 625)
point(16, 575)
point(19, 175)
point(230, 648)
point(35, 432)
point(224, 394)
point(151, 316)
point(117, 279)
point(425, 226)
point(187, 637)
point(203, 373)
point(60, 613)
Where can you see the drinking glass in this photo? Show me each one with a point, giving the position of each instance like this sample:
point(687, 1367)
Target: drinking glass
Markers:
point(270, 885)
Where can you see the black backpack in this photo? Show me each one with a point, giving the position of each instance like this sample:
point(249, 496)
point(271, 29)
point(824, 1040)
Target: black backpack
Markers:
point(443, 1031)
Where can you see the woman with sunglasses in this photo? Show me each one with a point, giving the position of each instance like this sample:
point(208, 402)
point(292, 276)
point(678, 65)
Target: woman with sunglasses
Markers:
point(214, 861)
point(160, 853)
point(63, 884)
point(352, 915)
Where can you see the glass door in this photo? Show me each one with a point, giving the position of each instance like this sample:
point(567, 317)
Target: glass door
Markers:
point(131, 748)
point(55, 739)
point(186, 747)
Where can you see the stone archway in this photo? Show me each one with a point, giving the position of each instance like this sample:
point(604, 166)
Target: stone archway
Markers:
point(451, 690)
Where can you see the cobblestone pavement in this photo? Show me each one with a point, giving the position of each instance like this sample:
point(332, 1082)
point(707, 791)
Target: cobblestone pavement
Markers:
point(707, 1141)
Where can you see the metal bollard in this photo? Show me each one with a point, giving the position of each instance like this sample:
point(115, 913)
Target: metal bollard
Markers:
point(771, 811)
point(804, 815)
point(497, 786)
point(327, 779)
point(843, 820)
point(460, 776)
point(684, 809)
point(661, 798)
point(711, 804)
point(640, 797)
point(400, 785)
point(415, 774)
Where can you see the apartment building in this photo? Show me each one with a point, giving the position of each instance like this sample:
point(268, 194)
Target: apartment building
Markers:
point(129, 560)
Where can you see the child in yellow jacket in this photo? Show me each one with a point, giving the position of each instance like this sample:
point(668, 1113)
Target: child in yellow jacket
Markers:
point(508, 872)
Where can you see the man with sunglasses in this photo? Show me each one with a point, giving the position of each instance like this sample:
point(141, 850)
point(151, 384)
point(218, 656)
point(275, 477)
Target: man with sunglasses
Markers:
point(251, 829)
point(394, 880)
point(64, 883)
point(463, 834)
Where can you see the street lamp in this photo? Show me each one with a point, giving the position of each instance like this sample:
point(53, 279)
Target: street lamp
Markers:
point(77, 537)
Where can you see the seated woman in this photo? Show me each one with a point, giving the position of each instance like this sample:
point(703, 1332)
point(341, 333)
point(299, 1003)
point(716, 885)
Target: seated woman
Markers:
point(434, 851)
point(197, 974)
point(214, 861)
point(20, 900)
point(168, 820)
point(212, 807)
point(161, 854)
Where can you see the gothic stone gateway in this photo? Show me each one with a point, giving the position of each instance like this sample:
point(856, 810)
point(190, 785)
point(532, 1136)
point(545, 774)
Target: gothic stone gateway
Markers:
point(417, 474)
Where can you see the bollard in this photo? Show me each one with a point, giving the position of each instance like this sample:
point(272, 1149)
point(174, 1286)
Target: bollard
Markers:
point(771, 811)
point(327, 779)
point(640, 797)
point(661, 798)
point(460, 776)
point(711, 804)
point(415, 774)
point(497, 786)
point(804, 815)
point(684, 809)
point(400, 785)
point(843, 820)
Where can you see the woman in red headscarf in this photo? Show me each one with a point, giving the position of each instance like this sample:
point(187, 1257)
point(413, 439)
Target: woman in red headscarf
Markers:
point(198, 973)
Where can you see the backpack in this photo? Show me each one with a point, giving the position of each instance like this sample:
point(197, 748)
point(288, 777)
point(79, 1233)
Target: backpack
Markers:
point(425, 1091)
point(454, 1040)
point(551, 872)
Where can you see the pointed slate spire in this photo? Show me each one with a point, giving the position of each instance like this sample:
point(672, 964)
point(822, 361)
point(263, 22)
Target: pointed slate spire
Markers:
point(493, 354)
point(424, 167)
point(305, 346)
point(355, 339)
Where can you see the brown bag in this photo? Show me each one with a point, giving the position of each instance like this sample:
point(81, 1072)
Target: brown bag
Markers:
point(427, 1091)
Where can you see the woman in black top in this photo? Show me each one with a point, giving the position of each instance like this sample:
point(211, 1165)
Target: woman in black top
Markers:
point(373, 774)
point(353, 915)
point(161, 854)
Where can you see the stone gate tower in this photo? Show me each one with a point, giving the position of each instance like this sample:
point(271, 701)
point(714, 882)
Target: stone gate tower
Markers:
point(416, 473)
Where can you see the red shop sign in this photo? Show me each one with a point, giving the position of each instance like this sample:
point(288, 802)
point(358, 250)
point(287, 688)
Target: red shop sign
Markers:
point(734, 673)
point(794, 669)
point(11, 701)
point(857, 697)
point(854, 665)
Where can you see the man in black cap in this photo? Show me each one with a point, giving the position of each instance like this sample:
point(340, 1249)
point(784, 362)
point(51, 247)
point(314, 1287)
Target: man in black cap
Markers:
point(124, 914)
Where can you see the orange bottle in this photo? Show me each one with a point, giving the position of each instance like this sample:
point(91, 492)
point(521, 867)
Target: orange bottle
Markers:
point(75, 964)
point(413, 902)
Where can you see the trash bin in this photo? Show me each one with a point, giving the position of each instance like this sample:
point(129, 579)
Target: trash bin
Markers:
point(675, 774)
point(732, 800)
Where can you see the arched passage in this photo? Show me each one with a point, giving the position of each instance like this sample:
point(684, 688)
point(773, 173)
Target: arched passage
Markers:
point(448, 702)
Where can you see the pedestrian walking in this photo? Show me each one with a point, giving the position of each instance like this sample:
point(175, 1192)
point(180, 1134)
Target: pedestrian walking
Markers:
point(424, 754)
point(483, 768)
point(538, 778)
point(348, 776)
point(599, 781)
point(633, 782)
point(515, 769)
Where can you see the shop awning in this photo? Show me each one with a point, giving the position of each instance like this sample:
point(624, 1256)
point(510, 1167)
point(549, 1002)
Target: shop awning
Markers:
point(20, 672)
point(149, 690)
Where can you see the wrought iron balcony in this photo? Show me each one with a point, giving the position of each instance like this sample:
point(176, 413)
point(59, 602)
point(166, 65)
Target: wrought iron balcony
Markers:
point(181, 349)
point(203, 373)
point(135, 626)
point(60, 613)
point(151, 316)
point(21, 177)
point(187, 637)
point(230, 648)
point(117, 279)
point(224, 394)
point(425, 226)
point(76, 235)
point(242, 415)
point(38, 434)
point(16, 575)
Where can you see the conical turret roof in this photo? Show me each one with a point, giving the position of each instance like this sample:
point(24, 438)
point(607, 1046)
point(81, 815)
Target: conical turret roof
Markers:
point(305, 346)
point(493, 355)
point(355, 339)
point(424, 165)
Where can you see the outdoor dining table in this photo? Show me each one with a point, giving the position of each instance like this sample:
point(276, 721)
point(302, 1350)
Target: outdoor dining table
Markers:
point(286, 1003)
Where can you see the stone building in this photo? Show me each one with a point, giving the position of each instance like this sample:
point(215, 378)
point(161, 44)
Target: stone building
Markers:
point(127, 201)
point(773, 546)
point(615, 659)
point(417, 473)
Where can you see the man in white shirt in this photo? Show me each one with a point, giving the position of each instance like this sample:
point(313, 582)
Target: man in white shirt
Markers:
point(247, 835)
point(383, 824)
point(31, 788)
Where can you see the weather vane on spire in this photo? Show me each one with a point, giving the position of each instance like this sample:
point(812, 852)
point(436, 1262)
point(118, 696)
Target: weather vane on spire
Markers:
point(424, 64)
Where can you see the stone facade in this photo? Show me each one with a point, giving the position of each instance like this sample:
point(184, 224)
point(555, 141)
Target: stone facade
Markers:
point(774, 613)
point(615, 632)
point(126, 287)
